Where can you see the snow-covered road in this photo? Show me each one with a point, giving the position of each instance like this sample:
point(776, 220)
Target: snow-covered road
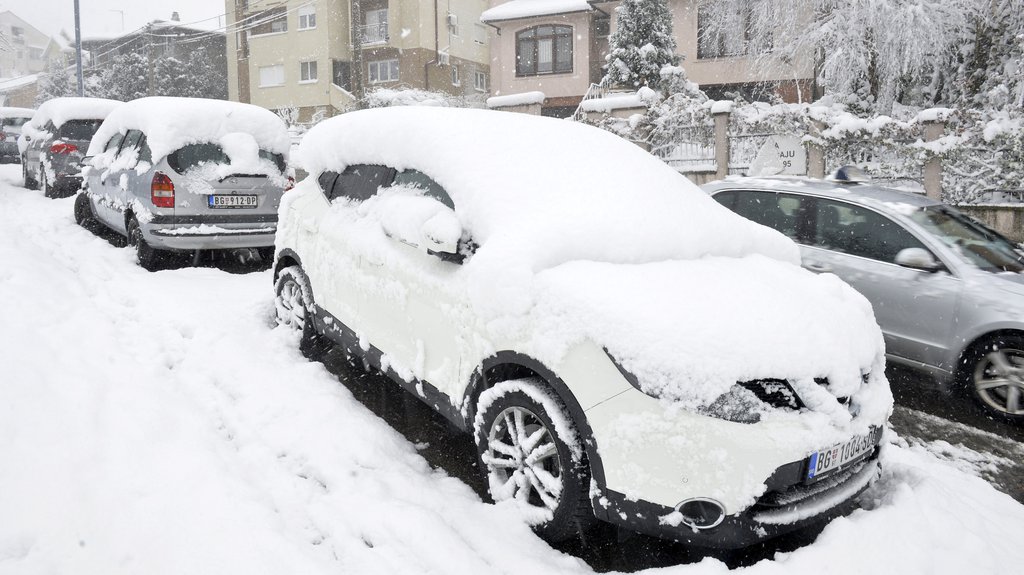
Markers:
point(160, 423)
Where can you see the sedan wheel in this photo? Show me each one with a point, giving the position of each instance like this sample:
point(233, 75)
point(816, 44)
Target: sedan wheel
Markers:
point(530, 462)
point(293, 301)
point(998, 380)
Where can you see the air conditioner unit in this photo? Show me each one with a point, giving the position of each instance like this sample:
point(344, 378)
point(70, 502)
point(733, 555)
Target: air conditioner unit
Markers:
point(443, 59)
point(453, 20)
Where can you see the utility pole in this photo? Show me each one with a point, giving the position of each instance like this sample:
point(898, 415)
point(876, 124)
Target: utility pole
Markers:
point(356, 16)
point(78, 51)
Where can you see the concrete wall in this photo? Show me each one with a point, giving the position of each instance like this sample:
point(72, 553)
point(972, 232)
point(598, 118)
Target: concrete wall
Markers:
point(1007, 220)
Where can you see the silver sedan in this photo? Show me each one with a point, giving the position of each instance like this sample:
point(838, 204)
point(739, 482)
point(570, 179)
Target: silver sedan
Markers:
point(947, 292)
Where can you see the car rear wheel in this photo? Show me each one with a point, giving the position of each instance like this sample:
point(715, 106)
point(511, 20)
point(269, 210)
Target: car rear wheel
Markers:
point(30, 182)
point(147, 257)
point(531, 461)
point(48, 190)
point(83, 213)
point(996, 375)
point(293, 302)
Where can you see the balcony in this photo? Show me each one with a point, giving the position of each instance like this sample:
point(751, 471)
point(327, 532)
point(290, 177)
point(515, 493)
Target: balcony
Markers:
point(374, 34)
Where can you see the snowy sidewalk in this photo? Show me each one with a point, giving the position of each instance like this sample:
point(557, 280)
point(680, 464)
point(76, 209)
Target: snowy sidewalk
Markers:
point(159, 423)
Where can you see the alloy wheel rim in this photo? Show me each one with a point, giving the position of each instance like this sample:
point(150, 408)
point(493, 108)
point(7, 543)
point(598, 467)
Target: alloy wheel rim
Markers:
point(523, 457)
point(290, 308)
point(999, 380)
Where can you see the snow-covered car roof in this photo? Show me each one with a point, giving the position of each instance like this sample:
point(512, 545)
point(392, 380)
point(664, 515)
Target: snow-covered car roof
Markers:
point(62, 110)
point(556, 190)
point(170, 123)
point(10, 112)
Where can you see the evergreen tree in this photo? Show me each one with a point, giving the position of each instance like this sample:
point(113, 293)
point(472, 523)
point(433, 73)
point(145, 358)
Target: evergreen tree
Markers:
point(128, 78)
point(202, 78)
point(170, 78)
point(56, 82)
point(642, 44)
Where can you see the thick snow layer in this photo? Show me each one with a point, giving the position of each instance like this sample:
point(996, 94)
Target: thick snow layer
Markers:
point(522, 99)
point(530, 8)
point(61, 110)
point(9, 112)
point(640, 99)
point(148, 427)
point(170, 123)
point(609, 221)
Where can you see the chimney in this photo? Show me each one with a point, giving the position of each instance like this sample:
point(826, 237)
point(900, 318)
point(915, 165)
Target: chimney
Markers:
point(175, 17)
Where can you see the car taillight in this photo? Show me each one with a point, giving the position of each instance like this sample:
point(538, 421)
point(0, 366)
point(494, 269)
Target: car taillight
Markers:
point(162, 191)
point(291, 184)
point(3, 136)
point(63, 148)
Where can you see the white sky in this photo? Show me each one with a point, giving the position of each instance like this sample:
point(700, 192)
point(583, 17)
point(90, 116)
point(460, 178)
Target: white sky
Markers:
point(102, 18)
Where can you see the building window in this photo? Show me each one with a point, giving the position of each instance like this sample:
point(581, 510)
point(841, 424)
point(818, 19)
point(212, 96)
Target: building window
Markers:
point(271, 76)
point(544, 50)
point(307, 17)
point(341, 74)
point(269, 22)
point(456, 80)
point(307, 71)
point(375, 26)
point(480, 81)
point(383, 71)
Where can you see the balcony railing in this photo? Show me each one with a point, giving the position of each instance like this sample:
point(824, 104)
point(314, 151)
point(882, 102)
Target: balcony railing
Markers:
point(374, 33)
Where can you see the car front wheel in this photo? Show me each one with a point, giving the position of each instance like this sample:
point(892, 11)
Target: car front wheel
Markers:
point(531, 456)
point(293, 302)
point(83, 213)
point(996, 371)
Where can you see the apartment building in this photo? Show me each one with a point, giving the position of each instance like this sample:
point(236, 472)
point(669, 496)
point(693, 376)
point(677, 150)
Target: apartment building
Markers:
point(559, 47)
point(24, 50)
point(307, 55)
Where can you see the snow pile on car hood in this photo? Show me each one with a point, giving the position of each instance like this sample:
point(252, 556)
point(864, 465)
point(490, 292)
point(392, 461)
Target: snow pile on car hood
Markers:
point(170, 123)
point(62, 110)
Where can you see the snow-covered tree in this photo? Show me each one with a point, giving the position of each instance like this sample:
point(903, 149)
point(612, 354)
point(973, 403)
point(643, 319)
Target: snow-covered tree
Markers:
point(170, 78)
point(128, 78)
point(203, 80)
point(56, 82)
point(641, 45)
point(871, 52)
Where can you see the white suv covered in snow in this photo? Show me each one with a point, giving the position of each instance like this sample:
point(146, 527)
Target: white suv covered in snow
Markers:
point(620, 346)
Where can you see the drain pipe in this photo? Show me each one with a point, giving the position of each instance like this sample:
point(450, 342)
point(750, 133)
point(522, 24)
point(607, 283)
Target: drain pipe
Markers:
point(437, 48)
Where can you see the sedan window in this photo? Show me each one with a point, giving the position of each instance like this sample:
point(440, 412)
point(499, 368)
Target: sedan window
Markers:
point(360, 182)
point(420, 181)
point(131, 140)
point(114, 142)
point(859, 231)
point(781, 212)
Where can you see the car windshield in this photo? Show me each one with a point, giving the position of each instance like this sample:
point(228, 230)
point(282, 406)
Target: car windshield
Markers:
point(79, 129)
point(973, 241)
point(192, 155)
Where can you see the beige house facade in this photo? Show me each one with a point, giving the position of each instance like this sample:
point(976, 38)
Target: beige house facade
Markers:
point(24, 50)
point(298, 54)
point(558, 47)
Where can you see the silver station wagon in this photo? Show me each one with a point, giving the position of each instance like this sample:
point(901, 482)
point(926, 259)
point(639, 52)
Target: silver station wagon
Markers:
point(947, 291)
point(185, 175)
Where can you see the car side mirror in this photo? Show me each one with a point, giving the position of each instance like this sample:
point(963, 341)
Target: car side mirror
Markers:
point(423, 223)
point(918, 259)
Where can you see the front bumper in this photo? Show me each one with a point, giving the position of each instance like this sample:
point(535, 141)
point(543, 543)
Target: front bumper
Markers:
point(775, 514)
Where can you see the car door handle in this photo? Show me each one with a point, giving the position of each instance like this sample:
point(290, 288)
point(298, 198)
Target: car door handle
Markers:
point(819, 268)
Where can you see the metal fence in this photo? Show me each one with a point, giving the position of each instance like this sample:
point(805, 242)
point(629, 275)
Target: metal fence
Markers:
point(690, 149)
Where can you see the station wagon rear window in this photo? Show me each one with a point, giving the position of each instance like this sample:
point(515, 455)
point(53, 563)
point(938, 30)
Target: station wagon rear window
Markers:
point(79, 129)
point(193, 155)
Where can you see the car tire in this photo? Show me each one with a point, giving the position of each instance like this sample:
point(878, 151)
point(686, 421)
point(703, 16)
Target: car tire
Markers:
point(30, 183)
point(83, 213)
point(294, 305)
point(44, 183)
point(994, 373)
point(148, 257)
point(266, 254)
point(522, 420)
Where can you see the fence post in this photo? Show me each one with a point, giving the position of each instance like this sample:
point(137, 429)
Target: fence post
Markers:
point(932, 173)
point(816, 152)
point(720, 112)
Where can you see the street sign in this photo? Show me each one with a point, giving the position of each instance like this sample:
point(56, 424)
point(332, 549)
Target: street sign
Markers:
point(780, 155)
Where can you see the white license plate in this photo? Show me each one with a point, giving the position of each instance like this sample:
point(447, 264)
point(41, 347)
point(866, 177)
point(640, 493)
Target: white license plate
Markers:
point(824, 462)
point(233, 201)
